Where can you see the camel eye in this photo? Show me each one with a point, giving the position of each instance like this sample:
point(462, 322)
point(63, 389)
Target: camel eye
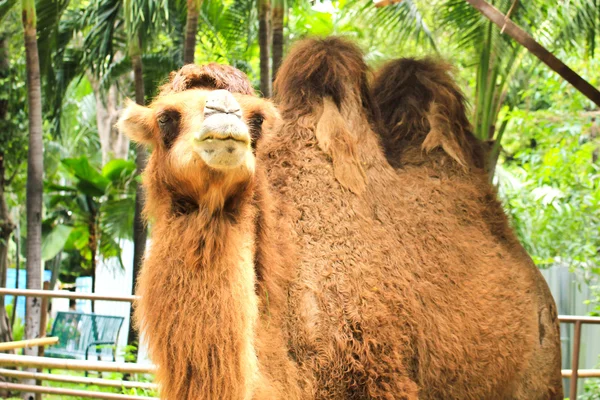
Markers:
point(255, 122)
point(168, 121)
point(164, 118)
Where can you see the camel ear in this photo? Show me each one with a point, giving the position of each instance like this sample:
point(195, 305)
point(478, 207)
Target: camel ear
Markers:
point(337, 141)
point(137, 123)
point(440, 135)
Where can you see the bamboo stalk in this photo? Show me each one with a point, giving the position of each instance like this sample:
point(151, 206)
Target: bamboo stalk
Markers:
point(73, 365)
point(63, 294)
point(582, 373)
point(569, 319)
point(69, 392)
point(77, 379)
point(20, 344)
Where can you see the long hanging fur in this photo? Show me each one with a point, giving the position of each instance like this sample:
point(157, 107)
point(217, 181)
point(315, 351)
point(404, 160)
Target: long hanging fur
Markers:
point(214, 280)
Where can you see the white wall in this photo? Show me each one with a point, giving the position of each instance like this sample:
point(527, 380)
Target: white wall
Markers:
point(111, 279)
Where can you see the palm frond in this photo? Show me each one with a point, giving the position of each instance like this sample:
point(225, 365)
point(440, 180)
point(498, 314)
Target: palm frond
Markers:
point(5, 7)
point(404, 19)
point(100, 42)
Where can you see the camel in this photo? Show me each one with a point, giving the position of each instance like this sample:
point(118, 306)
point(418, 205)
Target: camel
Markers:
point(401, 290)
point(289, 260)
point(427, 133)
point(211, 285)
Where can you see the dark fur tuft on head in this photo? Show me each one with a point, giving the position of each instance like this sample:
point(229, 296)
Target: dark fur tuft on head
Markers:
point(421, 105)
point(318, 68)
point(208, 76)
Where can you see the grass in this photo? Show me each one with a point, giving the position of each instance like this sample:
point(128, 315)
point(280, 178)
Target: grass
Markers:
point(93, 388)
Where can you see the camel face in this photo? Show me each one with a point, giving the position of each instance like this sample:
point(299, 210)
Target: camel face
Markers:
point(223, 139)
point(202, 139)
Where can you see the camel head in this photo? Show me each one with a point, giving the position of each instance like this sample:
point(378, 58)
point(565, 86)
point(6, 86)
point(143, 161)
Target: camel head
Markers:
point(202, 134)
point(423, 109)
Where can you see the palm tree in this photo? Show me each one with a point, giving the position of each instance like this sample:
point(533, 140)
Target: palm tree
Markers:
point(35, 176)
point(191, 28)
point(278, 38)
point(264, 42)
point(35, 172)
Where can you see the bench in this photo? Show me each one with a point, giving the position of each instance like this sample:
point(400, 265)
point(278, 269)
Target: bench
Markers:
point(80, 333)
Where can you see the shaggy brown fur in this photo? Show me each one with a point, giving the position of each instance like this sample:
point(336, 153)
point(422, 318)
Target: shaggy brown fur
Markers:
point(429, 137)
point(400, 291)
point(213, 282)
point(209, 76)
point(320, 273)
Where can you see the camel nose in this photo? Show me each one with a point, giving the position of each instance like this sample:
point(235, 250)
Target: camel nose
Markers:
point(221, 102)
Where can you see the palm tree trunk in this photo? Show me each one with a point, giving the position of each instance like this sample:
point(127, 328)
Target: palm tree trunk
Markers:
point(264, 30)
point(140, 231)
point(6, 229)
point(522, 37)
point(191, 28)
point(35, 174)
point(6, 224)
point(278, 39)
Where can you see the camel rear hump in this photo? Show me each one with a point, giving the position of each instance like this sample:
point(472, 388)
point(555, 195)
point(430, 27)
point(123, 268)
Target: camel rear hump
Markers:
point(422, 107)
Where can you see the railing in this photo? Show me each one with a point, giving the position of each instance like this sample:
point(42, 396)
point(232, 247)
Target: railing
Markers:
point(575, 373)
point(70, 365)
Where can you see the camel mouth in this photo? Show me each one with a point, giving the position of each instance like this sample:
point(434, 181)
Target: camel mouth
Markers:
point(223, 145)
point(214, 136)
point(223, 127)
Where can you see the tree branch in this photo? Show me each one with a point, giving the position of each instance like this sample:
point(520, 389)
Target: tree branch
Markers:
point(523, 38)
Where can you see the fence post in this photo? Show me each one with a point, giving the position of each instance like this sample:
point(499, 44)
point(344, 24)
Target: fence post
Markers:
point(575, 364)
point(43, 323)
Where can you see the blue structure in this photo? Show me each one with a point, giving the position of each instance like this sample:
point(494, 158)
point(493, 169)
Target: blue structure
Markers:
point(11, 281)
point(83, 284)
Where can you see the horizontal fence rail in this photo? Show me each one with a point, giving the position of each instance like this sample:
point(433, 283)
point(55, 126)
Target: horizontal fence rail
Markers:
point(572, 319)
point(21, 344)
point(582, 373)
point(64, 294)
point(74, 365)
point(11, 373)
point(17, 387)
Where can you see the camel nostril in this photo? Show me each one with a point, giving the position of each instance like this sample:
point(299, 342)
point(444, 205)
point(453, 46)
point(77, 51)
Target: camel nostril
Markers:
point(221, 101)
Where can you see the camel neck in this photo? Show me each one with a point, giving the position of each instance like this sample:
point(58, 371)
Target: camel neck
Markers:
point(199, 302)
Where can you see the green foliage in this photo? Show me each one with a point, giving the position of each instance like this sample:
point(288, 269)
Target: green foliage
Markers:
point(89, 215)
point(552, 190)
point(13, 100)
point(18, 328)
point(54, 241)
